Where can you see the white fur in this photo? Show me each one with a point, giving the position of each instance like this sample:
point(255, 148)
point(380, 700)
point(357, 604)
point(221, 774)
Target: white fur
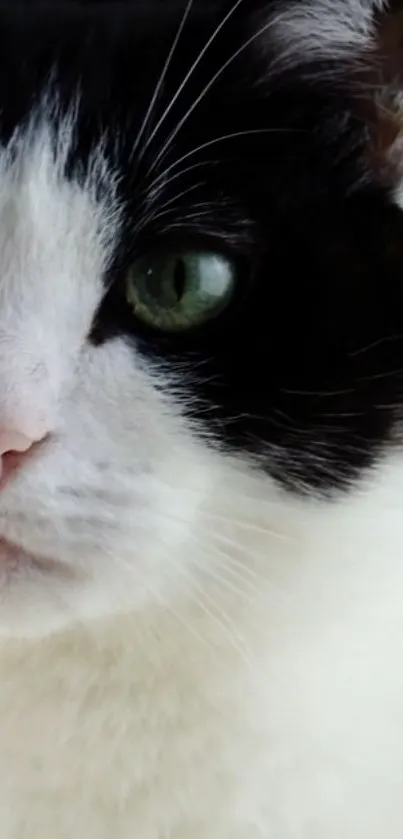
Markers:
point(227, 663)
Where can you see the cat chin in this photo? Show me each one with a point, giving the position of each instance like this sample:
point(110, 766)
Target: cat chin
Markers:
point(14, 557)
point(187, 551)
point(39, 600)
point(41, 595)
point(32, 605)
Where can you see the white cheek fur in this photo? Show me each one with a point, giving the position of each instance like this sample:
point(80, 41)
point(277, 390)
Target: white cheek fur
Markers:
point(112, 497)
point(115, 488)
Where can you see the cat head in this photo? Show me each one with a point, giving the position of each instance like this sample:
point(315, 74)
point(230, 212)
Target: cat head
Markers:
point(200, 284)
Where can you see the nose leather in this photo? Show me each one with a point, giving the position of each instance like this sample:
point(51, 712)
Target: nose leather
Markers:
point(14, 441)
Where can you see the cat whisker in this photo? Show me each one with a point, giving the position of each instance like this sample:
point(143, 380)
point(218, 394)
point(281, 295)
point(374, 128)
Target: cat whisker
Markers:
point(214, 141)
point(378, 376)
point(160, 82)
point(246, 525)
point(176, 614)
point(318, 394)
point(240, 524)
point(385, 340)
point(249, 593)
point(222, 619)
point(155, 214)
point(226, 625)
point(242, 570)
point(239, 568)
point(207, 88)
point(192, 70)
point(160, 183)
point(183, 220)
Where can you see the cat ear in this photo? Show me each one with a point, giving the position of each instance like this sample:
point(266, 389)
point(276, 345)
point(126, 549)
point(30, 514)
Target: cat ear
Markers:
point(354, 47)
point(378, 96)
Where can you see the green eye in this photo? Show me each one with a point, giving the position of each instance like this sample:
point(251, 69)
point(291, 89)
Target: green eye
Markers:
point(177, 292)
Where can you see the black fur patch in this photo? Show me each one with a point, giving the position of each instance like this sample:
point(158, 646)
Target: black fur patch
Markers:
point(305, 369)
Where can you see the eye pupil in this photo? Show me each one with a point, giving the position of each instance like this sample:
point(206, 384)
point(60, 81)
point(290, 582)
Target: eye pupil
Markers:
point(179, 279)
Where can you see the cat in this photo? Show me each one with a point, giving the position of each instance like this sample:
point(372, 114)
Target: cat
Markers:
point(201, 391)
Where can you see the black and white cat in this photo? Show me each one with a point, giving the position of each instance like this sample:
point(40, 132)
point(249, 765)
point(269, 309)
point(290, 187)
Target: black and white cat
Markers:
point(201, 424)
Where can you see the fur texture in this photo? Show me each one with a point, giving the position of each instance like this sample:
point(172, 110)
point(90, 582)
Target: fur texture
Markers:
point(201, 565)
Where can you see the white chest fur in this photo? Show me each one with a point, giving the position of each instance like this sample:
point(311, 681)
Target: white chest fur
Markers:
point(281, 718)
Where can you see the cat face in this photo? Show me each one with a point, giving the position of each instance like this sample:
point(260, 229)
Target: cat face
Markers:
point(200, 289)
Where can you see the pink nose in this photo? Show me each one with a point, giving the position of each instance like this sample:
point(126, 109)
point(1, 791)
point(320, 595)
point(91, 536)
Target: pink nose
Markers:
point(13, 446)
point(14, 441)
